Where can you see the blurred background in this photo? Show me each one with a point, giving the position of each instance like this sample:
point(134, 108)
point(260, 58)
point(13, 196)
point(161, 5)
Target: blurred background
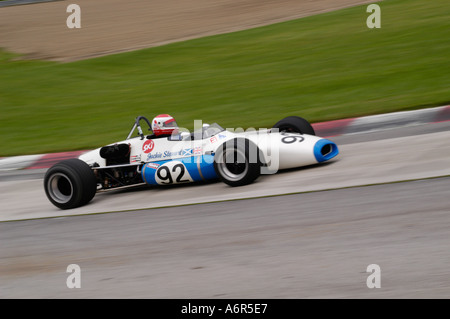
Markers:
point(241, 63)
point(76, 83)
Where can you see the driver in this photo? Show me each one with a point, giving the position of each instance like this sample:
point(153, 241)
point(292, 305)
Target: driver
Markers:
point(164, 125)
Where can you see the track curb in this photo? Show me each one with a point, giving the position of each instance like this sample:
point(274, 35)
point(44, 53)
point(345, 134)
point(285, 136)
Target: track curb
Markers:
point(383, 121)
point(324, 129)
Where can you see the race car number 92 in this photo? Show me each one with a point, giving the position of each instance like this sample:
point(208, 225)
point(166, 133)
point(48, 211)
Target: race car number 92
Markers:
point(172, 173)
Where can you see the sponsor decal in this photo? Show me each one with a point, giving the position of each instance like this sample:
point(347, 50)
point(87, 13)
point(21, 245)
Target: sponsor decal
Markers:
point(166, 154)
point(213, 139)
point(172, 154)
point(154, 156)
point(135, 158)
point(153, 165)
point(198, 150)
point(148, 146)
point(222, 136)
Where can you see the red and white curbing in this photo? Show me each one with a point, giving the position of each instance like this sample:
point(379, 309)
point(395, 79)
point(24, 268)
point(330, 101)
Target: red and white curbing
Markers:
point(382, 121)
point(324, 129)
point(39, 161)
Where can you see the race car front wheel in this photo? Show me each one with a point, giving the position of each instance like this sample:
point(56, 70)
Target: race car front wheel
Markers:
point(237, 162)
point(70, 184)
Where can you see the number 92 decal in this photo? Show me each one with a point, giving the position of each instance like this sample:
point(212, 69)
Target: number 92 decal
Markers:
point(289, 139)
point(172, 172)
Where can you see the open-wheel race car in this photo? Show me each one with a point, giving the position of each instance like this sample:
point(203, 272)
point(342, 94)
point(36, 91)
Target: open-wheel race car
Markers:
point(173, 156)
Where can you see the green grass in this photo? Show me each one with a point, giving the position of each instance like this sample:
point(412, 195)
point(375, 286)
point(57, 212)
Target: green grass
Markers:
point(323, 67)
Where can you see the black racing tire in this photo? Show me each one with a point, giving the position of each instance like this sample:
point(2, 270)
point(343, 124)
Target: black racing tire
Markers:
point(295, 124)
point(70, 183)
point(237, 162)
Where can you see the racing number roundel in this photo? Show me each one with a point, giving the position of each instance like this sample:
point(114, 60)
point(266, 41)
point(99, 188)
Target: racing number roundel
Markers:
point(148, 146)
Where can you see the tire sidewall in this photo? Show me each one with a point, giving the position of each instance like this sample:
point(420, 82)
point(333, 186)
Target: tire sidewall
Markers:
point(243, 147)
point(81, 178)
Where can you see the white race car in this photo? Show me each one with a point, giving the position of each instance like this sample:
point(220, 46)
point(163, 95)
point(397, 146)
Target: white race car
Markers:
point(210, 152)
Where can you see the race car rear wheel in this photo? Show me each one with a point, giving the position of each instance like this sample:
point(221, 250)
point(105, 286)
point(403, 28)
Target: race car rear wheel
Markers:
point(295, 124)
point(237, 162)
point(70, 184)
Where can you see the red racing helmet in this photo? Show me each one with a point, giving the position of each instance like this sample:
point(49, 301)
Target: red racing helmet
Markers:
point(164, 124)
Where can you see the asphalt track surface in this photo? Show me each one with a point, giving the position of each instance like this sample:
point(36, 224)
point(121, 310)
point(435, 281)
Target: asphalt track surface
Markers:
point(384, 201)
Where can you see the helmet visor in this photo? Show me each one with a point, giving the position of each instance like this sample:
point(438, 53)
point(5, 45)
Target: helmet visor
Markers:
point(170, 123)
